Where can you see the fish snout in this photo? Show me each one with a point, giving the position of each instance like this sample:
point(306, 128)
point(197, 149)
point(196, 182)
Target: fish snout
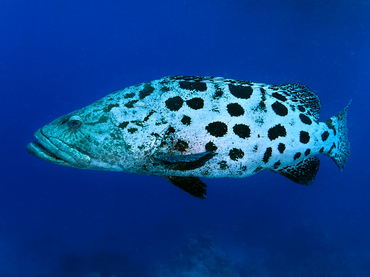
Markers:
point(56, 151)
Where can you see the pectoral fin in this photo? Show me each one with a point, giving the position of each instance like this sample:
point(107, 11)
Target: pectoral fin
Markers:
point(184, 162)
point(192, 185)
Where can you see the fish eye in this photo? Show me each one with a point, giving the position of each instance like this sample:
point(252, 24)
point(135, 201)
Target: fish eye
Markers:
point(74, 121)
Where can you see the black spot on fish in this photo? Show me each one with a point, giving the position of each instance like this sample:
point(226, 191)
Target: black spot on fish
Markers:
point(174, 103)
point(131, 103)
point(129, 95)
point(219, 92)
point(102, 119)
point(195, 103)
point(217, 129)
point(279, 109)
point(307, 152)
point(331, 148)
point(262, 106)
point(305, 119)
point(198, 86)
point(255, 148)
point(277, 164)
point(235, 109)
point(301, 108)
point(263, 94)
point(304, 137)
point(114, 136)
point(146, 91)
point(279, 96)
point(132, 130)
point(161, 122)
point(170, 130)
point(242, 131)
point(267, 155)
point(146, 118)
point(243, 92)
point(110, 106)
point(236, 154)
point(223, 165)
point(165, 88)
point(321, 150)
point(330, 125)
point(276, 131)
point(138, 123)
point(186, 120)
point(324, 136)
point(276, 87)
point(211, 147)
point(281, 148)
point(258, 169)
point(155, 135)
point(259, 121)
point(297, 155)
point(123, 125)
point(181, 145)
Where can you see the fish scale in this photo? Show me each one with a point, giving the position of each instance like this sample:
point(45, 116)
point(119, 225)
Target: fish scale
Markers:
point(186, 127)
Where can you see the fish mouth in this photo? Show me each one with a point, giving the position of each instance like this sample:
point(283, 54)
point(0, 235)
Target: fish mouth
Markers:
point(56, 151)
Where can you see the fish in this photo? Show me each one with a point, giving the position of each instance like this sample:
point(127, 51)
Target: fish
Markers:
point(184, 128)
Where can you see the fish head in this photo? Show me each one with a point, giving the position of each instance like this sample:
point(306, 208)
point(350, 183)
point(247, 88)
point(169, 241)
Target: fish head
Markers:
point(84, 139)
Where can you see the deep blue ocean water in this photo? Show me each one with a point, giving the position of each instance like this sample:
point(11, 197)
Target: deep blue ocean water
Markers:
point(59, 56)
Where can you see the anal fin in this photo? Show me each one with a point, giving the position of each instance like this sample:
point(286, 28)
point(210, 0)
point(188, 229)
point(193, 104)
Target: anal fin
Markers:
point(302, 173)
point(192, 185)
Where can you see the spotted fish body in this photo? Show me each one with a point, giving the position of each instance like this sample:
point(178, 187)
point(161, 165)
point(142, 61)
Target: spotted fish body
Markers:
point(183, 128)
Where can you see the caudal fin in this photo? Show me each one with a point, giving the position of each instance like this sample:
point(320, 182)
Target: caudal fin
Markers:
point(341, 152)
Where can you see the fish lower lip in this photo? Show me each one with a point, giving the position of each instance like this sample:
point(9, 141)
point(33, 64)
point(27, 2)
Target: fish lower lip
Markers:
point(56, 151)
point(37, 145)
point(38, 150)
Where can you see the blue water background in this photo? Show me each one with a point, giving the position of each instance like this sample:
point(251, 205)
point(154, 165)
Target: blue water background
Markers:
point(59, 56)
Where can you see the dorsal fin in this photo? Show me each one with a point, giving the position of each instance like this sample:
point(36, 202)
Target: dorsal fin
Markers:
point(297, 94)
point(302, 173)
point(307, 101)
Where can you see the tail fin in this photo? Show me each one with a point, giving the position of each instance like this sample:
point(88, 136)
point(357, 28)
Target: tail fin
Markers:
point(339, 122)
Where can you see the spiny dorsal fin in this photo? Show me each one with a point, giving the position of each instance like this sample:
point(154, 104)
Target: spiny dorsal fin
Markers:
point(302, 173)
point(301, 96)
point(192, 185)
